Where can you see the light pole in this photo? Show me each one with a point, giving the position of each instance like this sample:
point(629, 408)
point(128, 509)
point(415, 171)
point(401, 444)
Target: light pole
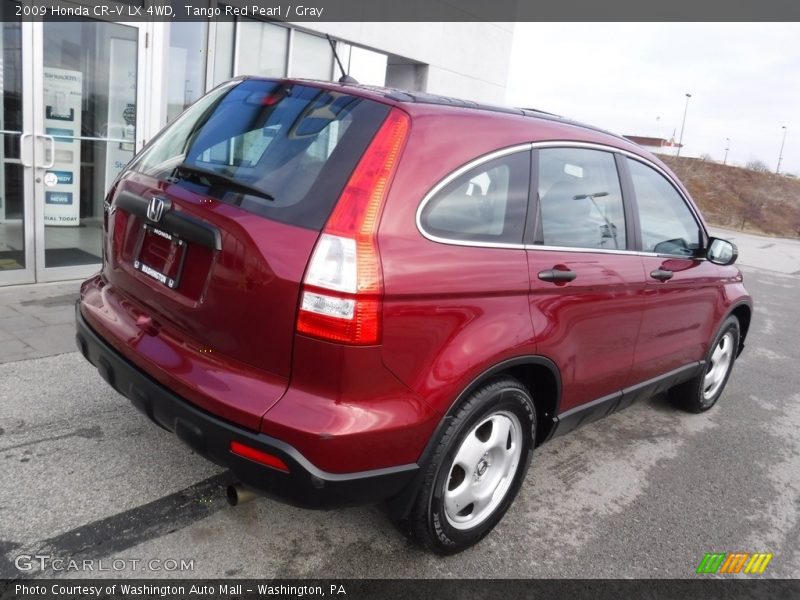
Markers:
point(727, 147)
point(683, 124)
point(780, 155)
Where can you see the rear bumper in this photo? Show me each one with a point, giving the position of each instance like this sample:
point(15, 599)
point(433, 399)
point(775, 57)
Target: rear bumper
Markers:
point(305, 485)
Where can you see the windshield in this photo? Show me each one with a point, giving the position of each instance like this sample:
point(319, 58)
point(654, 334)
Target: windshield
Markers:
point(276, 148)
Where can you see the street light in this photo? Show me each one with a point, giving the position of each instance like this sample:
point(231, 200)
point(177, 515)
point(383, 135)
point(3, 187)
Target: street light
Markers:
point(683, 124)
point(780, 155)
point(727, 147)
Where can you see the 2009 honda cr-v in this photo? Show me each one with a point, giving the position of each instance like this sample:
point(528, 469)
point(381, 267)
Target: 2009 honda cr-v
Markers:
point(348, 294)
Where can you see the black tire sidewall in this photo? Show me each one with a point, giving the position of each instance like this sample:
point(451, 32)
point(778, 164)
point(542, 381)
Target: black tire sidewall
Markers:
point(514, 400)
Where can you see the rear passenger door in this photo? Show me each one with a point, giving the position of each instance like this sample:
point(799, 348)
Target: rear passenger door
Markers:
point(586, 280)
point(459, 305)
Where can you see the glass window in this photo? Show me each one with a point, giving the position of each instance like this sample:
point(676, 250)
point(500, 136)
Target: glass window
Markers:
point(223, 51)
point(580, 199)
point(262, 49)
point(279, 150)
point(89, 84)
point(667, 223)
point(12, 208)
point(312, 57)
point(487, 204)
point(159, 158)
point(186, 76)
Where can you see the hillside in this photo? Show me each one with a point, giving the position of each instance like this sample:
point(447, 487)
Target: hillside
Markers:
point(739, 198)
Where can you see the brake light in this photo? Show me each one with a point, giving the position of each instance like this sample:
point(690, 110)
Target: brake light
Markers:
point(342, 289)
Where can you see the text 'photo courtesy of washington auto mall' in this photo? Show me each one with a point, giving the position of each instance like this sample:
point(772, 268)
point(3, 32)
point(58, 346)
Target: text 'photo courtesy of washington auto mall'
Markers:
point(368, 300)
point(170, 590)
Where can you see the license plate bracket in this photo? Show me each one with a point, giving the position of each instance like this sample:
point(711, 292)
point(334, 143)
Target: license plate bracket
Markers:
point(160, 255)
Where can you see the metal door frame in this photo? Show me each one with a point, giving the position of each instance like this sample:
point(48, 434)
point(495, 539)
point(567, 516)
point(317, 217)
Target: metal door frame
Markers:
point(25, 138)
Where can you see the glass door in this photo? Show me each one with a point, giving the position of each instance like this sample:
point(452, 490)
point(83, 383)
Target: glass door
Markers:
point(17, 264)
point(87, 103)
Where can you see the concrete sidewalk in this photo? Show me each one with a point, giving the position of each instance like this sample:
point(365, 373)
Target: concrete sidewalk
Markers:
point(37, 320)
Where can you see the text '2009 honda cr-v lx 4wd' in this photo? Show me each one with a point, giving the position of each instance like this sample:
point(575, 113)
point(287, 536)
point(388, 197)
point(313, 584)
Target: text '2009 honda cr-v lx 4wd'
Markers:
point(348, 294)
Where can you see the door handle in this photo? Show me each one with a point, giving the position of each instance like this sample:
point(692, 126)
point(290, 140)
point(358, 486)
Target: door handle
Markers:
point(22, 138)
point(661, 274)
point(52, 160)
point(557, 275)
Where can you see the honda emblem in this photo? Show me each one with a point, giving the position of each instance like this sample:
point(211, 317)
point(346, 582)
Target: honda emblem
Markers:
point(157, 208)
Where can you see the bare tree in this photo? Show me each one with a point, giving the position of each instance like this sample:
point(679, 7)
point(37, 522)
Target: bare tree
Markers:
point(751, 212)
point(757, 165)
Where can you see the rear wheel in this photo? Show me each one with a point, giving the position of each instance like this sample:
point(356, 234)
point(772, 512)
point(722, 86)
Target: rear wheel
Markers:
point(702, 392)
point(477, 468)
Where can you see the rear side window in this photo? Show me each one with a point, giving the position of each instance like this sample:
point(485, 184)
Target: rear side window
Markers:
point(486, 204)
point(281, 150)
point(667, 223)
point(580, 199)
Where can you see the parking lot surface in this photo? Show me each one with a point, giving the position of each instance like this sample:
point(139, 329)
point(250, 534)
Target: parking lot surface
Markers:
point(644, 493)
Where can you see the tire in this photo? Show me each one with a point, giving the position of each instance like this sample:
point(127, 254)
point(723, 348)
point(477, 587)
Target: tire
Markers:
point(477, 468)
point(702, 392)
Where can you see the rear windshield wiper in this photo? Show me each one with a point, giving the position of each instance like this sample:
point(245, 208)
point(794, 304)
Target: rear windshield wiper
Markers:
point(210, 175)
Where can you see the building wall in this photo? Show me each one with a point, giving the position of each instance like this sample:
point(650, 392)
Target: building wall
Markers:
point(466, 60)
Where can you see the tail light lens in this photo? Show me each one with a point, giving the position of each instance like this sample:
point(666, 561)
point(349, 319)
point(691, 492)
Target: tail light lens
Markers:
point(342, 289)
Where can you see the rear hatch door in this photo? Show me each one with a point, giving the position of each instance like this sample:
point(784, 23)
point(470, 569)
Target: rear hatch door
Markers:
point(211, 227)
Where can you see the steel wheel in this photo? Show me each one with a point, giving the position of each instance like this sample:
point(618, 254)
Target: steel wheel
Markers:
point(719, 365)
point(482, 470)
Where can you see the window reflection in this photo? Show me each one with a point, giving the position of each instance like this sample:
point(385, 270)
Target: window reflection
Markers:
point(667, 224)
point(580, 199)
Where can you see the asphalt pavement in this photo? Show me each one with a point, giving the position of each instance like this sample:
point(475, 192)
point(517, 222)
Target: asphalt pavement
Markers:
point(644, 493)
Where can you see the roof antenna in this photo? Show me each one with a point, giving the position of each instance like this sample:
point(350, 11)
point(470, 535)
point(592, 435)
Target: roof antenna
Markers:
point(345, 78)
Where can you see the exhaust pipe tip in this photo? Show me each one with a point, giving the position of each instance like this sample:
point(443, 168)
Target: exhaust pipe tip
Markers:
point(238, 494)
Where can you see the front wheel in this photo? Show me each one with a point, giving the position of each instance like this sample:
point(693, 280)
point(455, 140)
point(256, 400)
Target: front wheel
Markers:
point(477, 468)
point(702, 392)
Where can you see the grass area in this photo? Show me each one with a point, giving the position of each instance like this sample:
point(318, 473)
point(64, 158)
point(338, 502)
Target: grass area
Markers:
point(739, 198)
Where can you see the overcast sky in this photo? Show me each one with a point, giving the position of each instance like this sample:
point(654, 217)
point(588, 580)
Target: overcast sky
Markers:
point(631, 78)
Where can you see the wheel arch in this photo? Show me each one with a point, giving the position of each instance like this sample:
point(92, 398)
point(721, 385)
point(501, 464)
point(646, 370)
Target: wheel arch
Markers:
point(744, 313)
point(541, 378)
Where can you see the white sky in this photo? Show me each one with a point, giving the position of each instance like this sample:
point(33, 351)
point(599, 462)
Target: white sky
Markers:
point(744, 79)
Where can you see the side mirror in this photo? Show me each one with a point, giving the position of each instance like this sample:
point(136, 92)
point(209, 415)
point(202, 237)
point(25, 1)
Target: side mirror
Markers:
point(721, 252)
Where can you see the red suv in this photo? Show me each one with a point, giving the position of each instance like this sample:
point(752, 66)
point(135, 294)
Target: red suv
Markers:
point(347, 294)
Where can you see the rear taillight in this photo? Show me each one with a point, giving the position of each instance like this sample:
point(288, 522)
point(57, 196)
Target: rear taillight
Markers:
point(342, 289)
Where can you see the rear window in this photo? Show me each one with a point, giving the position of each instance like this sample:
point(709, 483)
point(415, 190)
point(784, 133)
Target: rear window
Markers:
point(281, 150)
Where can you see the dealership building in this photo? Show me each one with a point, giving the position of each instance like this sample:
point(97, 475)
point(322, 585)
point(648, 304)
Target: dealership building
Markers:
point(80, 97)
